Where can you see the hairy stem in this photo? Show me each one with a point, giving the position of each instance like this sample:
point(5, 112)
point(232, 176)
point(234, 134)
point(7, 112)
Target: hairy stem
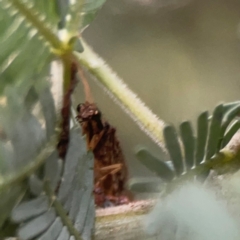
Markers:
point(126, 98)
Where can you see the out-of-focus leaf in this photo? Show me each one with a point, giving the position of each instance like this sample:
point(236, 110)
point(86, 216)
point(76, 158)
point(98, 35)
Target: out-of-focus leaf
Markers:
point(82, 13)
point(33, 208)
point(62, 9)
point(228, 118)
point(90, 10)
point(27, 138)
point(70, 212)
point(28, 35)
point(7, 160)
point(19, 40)
point(228, 106)
point(214, 132)
point(174, 150)
point(31, 98)
point(48, 109)
point(19, 67)
point(8, 229)
point(54, 231)
point(202, 133)
point(143, 185)
point(86, 203)
point(64, 234)
point(53, 170)
point(188, 143)
point(37, 226)
point(35, 185)
point(89, 224)
point(22, 141)
point(48, 9)
point(230, 132)
point(76, 43)
point(9, 198)
point(75, 152)
point(154, 164)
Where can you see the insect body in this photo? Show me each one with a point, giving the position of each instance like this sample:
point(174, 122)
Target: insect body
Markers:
point(109, 166)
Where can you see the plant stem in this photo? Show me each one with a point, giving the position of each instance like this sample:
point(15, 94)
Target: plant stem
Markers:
point(119, 91)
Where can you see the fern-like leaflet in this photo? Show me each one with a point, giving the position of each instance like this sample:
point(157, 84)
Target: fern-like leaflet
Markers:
point(194, 156)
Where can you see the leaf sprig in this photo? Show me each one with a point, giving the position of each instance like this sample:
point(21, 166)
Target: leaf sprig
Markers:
point(71, 211)
point(195, 155)
point(30, 40)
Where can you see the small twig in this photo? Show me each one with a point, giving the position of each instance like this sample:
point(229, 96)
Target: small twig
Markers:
point(89, 97)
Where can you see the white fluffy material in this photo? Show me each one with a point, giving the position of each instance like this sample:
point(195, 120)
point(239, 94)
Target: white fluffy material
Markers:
point(192, 212)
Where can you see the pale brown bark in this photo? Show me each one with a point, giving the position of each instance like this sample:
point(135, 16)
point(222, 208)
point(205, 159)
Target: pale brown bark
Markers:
point(123, 222)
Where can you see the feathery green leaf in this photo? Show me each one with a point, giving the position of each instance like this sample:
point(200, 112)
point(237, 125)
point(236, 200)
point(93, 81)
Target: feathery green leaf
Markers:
point(154, 164)
point(143, 185)
point(202, 133)
point(188, 140)
point(173, 146)
point(206, 150)
point(214, 132)
point(230, 132)
point(71, 212)
point(82, 13)
point(228, 118)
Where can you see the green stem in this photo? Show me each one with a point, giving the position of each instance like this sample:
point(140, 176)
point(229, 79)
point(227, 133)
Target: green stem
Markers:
point(31, 167)
point(127, 99)
point(34, 19)
point(61, 211)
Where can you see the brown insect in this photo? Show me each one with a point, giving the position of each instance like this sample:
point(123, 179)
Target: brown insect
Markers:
point(109, 166)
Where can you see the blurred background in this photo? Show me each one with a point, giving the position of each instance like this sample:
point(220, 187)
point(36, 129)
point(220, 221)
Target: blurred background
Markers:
point(180, 56)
